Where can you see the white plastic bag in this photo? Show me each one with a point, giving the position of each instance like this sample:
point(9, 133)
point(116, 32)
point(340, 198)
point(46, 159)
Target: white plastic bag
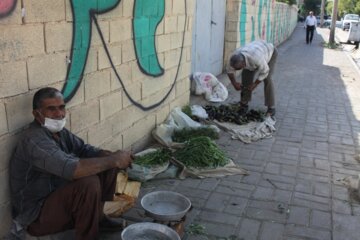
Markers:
point(208, 84)
point(199, 111)
point(177, 120)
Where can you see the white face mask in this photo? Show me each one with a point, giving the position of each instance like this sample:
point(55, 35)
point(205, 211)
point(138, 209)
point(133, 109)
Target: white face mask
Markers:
point(54, 125)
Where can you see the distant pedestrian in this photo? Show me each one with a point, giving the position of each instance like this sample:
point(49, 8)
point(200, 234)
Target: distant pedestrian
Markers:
point(257, 61)
point(310, 24)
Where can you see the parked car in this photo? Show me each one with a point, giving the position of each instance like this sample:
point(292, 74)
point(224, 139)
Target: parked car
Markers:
point(348, 19)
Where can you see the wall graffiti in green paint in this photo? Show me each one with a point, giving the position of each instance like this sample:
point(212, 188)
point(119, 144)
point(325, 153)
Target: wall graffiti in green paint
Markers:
point(147, 16)
point(243, 14)
point(83, 12)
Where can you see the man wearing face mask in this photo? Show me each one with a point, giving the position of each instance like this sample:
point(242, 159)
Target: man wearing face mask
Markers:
point(57, 181)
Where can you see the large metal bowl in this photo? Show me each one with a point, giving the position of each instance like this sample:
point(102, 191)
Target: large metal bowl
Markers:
point(165, 205)
point(148, 231)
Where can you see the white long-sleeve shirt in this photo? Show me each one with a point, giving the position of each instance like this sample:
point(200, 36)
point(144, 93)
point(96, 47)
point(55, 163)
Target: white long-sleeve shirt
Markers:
point(257, 56)
point(310, 21)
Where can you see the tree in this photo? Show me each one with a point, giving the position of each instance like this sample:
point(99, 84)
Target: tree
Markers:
point(311, 5)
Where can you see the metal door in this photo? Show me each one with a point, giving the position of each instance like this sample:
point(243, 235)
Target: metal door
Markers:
point(208, 36)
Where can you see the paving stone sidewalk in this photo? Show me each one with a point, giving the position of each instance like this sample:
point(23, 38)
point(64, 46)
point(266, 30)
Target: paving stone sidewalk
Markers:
point(292, 191)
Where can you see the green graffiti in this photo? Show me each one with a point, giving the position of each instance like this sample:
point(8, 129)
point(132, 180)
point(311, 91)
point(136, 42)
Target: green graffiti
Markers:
point(252, 29)
point(147, 16)
point(82, 10)
point(259, 17)
point(268, 25)
point(243, 14)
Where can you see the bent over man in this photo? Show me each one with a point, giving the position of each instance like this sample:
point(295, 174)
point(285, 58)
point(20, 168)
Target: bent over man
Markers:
point(57, 181)
point(257, 62)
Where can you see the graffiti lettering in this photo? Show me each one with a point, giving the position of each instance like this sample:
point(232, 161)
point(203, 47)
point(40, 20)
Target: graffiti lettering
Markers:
point(6, 7)
point(147, 16)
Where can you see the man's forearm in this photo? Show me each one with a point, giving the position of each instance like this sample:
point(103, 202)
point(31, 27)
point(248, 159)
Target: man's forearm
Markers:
point(92, 166)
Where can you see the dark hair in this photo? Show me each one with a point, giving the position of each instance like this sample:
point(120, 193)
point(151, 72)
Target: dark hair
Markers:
point(44, 93)
point(236, 58)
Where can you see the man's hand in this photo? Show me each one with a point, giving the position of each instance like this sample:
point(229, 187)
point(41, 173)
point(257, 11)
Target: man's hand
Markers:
point(237, 85)
point(254, 85)
point(123, 159)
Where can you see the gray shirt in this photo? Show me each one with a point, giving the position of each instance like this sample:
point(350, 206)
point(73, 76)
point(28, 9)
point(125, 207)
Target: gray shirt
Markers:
point(40, 165)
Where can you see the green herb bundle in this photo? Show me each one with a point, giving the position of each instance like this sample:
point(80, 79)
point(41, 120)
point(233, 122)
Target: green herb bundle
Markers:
point(186, 134)
point(201, 152)
point(158, 157)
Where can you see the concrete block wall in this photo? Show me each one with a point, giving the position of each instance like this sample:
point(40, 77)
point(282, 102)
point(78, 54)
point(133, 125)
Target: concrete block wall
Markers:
point(35, 48)
point(249, 20)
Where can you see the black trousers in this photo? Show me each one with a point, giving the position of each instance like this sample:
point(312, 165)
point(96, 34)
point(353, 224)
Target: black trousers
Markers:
point(309, 33)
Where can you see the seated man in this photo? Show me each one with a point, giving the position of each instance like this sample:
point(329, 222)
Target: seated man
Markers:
point(257, 61)
point(57, 181)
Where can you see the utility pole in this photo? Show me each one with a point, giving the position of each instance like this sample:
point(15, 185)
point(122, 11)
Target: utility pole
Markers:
point(333, 23)
point(322, 9)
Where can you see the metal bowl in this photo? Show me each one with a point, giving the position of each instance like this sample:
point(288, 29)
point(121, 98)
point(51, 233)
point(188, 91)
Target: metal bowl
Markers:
point(148, 231)
point(165, 205)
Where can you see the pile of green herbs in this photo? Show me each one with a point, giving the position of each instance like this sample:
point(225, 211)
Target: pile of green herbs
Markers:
point(201, 152)
point(234, 114)
point(158, 157)
point(186, 134)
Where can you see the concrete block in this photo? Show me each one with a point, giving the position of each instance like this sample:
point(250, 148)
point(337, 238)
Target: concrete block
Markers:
point(4, 187)
point(105, 31)
point(171, 58)
point(139, 130)
point(185, 70)
point(188, 39)
point(83, 135)
point(120, 30)
point(168, 8)
point(44, 10)
point(125, 118)
point(97, 84)
point(19, 111)
point(110, 104)
point(3, 121)
point(160, 30)
point(163, 43)
point(114, 144)
point(58, 37)
point(176, 40)
point(170, 24)
point(125, 73)
point(136, 74)
point(92, 61)
point(116, 12)
point(181, 24)
point(84, 116)
point(134, 91)
point(153, 85)
point(178, 7)
point(159, 96)
point(181, 101)
point(13, 78)
point(128, 8)
point(115, 56)
point(13, 18)
point(78, 98)
point(5, 216)
point(7, 146)
point(46, 69)
point(19, 42)
point(99, 133)
point(162, 114)
point(182, 86)
point(68, 11)
point(128, 51)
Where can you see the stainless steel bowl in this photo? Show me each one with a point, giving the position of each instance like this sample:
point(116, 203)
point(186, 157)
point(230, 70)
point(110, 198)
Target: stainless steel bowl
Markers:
point(165, 205)
point(148, 231)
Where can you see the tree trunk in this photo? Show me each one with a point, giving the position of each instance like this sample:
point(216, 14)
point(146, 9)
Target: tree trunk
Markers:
point(333, 22)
